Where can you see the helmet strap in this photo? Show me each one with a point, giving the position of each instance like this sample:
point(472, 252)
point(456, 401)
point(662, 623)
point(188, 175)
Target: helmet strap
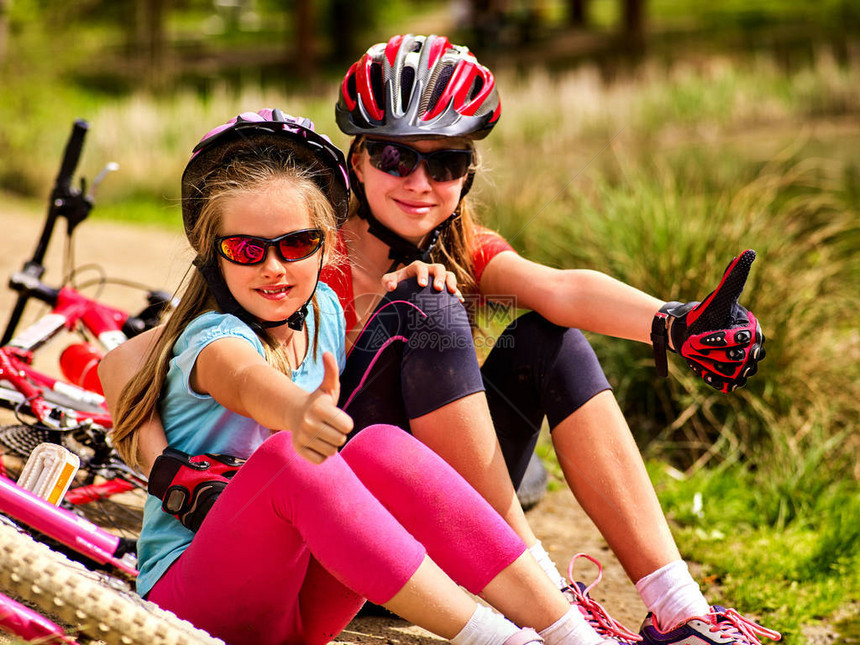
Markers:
point(401, 250)
point(228, 304)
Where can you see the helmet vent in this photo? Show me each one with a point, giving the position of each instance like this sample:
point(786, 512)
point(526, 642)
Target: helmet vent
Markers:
point(407, 79)
point(439, 86)
point(477, 85)
point(376, 84)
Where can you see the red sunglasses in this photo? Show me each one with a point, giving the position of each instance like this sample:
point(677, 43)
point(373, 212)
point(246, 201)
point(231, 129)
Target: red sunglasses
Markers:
point(249, 250)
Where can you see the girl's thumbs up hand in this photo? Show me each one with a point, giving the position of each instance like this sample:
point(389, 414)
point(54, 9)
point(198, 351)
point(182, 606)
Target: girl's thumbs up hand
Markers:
point(322, 427)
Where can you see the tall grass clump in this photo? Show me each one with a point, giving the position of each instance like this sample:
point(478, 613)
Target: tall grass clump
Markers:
point(660, 182)
point(664, 205)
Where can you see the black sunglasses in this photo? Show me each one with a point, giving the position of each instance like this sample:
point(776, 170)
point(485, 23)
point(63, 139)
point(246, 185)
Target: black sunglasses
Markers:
point(249, 250)
point(400, 160)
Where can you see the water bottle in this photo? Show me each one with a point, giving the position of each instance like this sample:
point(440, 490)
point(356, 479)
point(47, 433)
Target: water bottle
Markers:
point(79, 363)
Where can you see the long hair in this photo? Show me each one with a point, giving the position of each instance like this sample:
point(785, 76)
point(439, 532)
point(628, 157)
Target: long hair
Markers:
point(139, 399)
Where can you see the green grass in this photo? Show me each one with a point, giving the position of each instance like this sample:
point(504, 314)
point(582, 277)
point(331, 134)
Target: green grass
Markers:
point(788, 551)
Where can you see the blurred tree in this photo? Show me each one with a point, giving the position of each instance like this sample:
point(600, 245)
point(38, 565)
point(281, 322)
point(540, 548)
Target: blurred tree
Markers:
point(346, 17)
point(151, 42)
point(305, 53)
point(577, 13)
point(4, 28)
point(633, 26)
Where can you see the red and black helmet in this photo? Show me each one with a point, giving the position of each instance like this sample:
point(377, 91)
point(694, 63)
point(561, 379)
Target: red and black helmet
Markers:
point(418, 86)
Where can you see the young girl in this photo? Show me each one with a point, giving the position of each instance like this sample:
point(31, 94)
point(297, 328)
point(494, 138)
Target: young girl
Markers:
point(248, 366)
point(415, 105)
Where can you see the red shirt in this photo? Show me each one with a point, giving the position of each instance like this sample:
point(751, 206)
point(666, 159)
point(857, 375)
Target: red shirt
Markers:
point(339, 277)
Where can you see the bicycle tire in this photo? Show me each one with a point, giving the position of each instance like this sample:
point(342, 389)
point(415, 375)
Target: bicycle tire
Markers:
point(98, 606)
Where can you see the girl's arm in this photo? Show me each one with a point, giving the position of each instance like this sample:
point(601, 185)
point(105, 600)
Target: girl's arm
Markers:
point(578, 298)
point(235, 375)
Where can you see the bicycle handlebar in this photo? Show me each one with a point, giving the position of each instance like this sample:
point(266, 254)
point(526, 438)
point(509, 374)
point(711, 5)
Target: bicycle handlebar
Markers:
point(29, 286)
point(64, 201)
point(71, 157)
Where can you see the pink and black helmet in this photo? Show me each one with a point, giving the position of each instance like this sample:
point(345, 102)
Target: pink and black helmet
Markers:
point(244, 135)
point(251, 135)
point(418, 86)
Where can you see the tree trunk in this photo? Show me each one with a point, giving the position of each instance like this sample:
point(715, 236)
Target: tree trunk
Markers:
point(150, 46)
point(305, 56)
point(634, 23)
point(344, 18)
point(577, 13)
point(4, 28)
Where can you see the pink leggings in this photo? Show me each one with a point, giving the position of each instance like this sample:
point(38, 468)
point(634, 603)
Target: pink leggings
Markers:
point(291, 550)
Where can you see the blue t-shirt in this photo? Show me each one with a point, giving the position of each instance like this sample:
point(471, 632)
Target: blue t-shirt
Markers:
point(196, 423)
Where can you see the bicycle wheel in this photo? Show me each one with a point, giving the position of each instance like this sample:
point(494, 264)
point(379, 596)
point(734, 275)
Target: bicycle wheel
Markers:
point(93, 604)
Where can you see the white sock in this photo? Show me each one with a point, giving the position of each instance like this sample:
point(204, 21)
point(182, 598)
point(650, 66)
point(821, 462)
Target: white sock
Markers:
point(672, 595)
point(485, 627)
point(571, 629)
point(547, 565)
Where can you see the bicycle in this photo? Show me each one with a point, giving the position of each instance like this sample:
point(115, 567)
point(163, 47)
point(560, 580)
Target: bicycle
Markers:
point(94, 600)
point(95, 603)
point(69, 412)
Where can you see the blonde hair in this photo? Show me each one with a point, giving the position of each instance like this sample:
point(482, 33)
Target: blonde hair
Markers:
point(139, 399)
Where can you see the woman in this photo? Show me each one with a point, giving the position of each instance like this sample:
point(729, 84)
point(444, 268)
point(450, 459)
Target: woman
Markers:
point(415, 106)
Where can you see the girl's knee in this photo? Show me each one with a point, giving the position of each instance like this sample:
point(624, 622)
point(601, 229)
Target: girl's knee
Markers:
point(375, 439)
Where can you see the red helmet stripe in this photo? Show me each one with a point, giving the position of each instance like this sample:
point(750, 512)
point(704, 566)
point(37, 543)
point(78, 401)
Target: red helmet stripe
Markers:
point(392, 47)
point(363, 89)
point(344, 88)
point(437, 47)
point(458, 88)
point(487, 89)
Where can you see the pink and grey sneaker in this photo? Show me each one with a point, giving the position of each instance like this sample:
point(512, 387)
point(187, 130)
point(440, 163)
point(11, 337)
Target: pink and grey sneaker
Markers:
point(719, 627)
point(593, 612)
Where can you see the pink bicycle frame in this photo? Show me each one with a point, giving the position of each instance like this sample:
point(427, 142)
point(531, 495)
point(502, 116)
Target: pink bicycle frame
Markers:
point(70, 309)
point(22, 621)
point(75, 532)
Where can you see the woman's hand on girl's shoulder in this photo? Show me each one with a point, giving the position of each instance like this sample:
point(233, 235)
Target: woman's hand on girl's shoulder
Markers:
point(441, 277)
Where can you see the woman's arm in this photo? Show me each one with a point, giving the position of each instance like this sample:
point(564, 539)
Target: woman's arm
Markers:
point(115, 371)
point(583, 299)
point(235, 375)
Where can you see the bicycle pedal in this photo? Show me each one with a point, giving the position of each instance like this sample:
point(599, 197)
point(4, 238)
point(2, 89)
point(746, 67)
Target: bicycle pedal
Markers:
point(49, 472)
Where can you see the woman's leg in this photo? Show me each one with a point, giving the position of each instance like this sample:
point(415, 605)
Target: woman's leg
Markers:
point(415, 354)
point(538, 368)
point(267, 540)
point(414, 366)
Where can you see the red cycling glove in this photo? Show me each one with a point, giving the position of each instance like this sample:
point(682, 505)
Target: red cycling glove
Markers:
point(721, 340)
point(188, 486)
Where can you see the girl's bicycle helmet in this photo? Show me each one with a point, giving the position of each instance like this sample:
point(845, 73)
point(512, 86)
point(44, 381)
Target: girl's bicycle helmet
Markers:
point(418, 86)
point(269, 127)
point(239, 138)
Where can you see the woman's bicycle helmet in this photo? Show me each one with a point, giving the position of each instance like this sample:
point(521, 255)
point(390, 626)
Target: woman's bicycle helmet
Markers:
point(241, 137)
point(418, 86)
